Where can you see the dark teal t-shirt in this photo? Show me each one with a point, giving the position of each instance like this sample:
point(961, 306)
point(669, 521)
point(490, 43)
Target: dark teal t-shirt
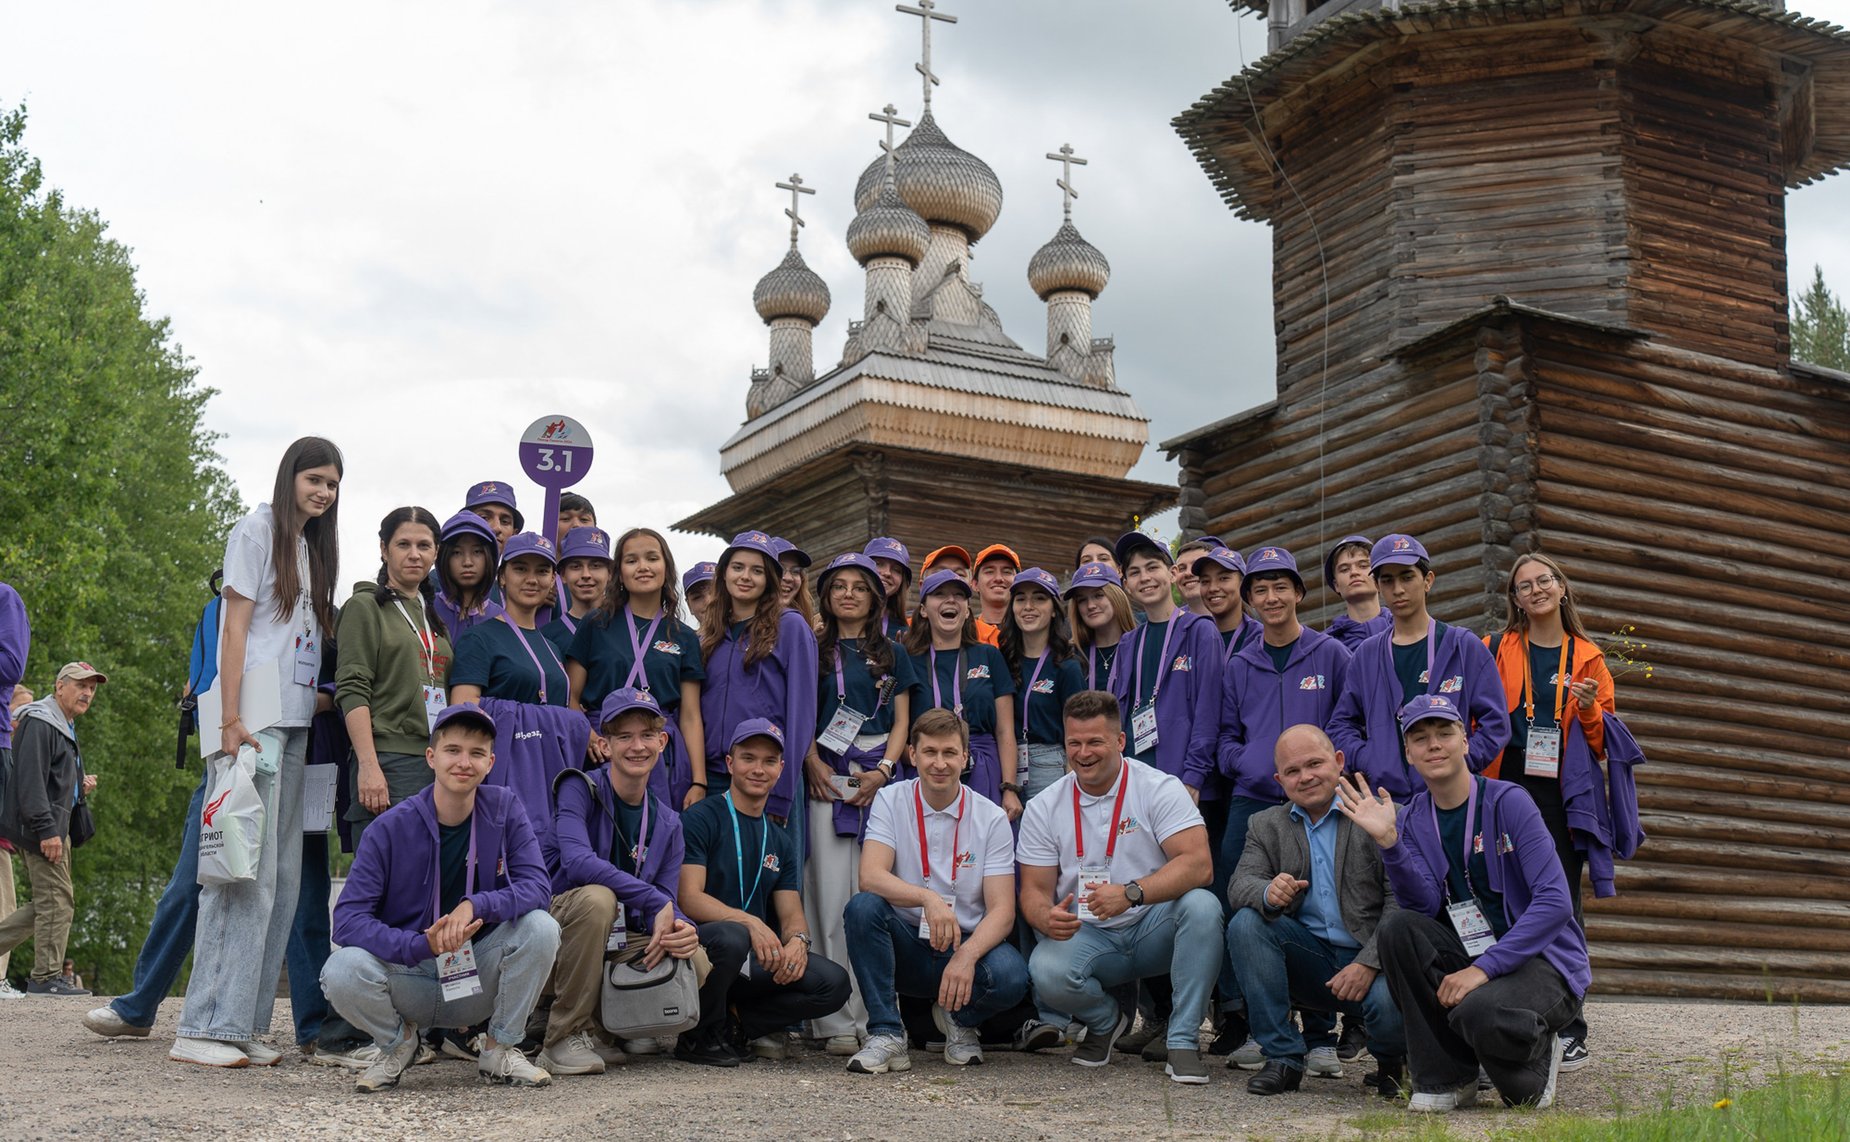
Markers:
point(1452, 837)
point(1410, 664)
point(453, 858)
point(986, 679)
point(607, 652)
point(1044, 722)
point(628, 832)
point(495, 656)
point(862, 691)
point(1281, 654)
point(707, 832)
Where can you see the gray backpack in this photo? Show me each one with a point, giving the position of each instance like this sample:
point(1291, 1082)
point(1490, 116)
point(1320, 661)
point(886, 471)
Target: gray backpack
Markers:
point(643, 1003)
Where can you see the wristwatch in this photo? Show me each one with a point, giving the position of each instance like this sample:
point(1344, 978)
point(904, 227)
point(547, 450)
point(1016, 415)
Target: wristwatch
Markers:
point(1011, 787)
point(1133, 892)
point(807, 942)
point(887, 767)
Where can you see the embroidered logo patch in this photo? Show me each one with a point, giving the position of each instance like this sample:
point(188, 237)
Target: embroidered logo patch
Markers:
point(1452, 685)
point(771, 863)
point(666, 646)
point(1183, 662)
point(1044, 686)
point(966, 860)
point(1477, 843)
point(1505, 844)
point(976, 674)
point(1313, 682)
point(1128, 826)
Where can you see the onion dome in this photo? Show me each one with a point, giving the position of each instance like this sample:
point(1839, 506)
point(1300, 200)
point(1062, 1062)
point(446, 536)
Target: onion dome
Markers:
point(888, 228)
point(942, 182)
point(1068, 261)
point(792, 290)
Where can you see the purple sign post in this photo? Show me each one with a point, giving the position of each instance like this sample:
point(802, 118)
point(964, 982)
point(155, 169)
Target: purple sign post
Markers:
point(555, 453)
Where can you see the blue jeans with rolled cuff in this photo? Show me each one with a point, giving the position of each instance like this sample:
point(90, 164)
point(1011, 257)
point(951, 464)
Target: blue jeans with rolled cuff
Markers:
point(889, 960)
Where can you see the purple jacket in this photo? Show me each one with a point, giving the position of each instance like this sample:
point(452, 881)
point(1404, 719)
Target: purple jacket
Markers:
point(1258, 703)
point(586, 825)
point(1249, 631)
point(1602, 815)
point(1520, 856)
point(1187, 704)
point(533, 744)
point(387, 902)
point(15, 641)
point(458, 623)
point(782, 688)
point(1365, 723)
point(1353, 634)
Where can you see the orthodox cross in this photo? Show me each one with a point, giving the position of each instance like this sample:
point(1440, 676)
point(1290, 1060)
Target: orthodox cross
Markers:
point(924, 11)
point(1066, 158)
point(890, 116)
point(795, 187)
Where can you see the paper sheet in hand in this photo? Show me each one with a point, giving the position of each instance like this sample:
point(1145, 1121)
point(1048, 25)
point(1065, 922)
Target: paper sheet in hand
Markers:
point(318, 797)
point(260, 704)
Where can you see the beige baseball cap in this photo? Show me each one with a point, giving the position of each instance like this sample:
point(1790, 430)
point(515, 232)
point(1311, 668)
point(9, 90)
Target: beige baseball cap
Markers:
point(79, 671)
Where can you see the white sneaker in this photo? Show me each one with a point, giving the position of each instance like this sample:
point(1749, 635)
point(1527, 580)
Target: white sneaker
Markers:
point(507, 1066)
point(207, 1053)
point(613, 1054)
point(574, 1056)
point(1444, 1101)
point(1250, 1057)
point(843, 1045)
point(354, 1058)
point(882, 1053)
point(1323, 1061)
point(260, 1054)
point(1547, 1098)
point(390, 1066)
point(105, 1022)
point(775, 1047)
point(640, 1047)
point(8, 991)
point(963, 1046)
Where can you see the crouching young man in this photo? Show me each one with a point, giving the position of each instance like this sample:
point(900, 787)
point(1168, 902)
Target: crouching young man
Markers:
point(620, 853)
point(1114, 863)
point(444, 921)
point(739, 878)
point(1483, 958)
point(936, 905)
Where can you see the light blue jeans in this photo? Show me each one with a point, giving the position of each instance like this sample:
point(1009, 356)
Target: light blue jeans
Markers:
point(379, 998)
point(1181, 938)
point(243, 929)
point(1044, 763)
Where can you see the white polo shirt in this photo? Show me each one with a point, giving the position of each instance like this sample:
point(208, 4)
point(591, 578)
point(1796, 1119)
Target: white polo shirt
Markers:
point(1156, 807)
point(985, 846)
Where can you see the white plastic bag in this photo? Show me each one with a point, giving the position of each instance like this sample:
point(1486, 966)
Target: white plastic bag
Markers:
point(231, 825)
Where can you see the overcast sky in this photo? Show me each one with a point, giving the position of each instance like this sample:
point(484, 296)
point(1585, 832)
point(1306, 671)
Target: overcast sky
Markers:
point(416, 227)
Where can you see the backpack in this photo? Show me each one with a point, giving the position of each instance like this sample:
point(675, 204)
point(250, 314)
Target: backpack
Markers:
point(201, 667)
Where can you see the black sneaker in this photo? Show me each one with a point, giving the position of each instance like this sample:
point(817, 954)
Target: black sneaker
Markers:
point(1354, 1040)
point(1389, 1078)
point(1230, 1032)
point(1095, 1049)
point(709, 1050)
point(1276, 1077)
point(1574, 1053)
point(1037, 1036)
point(457, 1043)
point(53, 986)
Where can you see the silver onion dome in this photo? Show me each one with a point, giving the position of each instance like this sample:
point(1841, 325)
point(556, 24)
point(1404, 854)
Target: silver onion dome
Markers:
point(792, 290)
point(941, 181)
point(888, 228)
point(1068, 261)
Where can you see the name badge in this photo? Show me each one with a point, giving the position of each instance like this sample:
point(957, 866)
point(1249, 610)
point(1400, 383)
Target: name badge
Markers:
point(434, 702)
point(1542, 754)
point(925, 925)
point(456, 972)
point(307, 660)
point(1143, 729)
point(845, 785)
point(619, 933)
point(842, 729)
point(1472, 927)
point(1090, 878)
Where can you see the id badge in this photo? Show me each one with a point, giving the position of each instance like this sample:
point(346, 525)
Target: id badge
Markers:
point(1472, 927)
point(619, 933)
point(1090, 878)
point(842, 729)
point(307, 660)
point(1542, 754)
point(925, 925)
point(434, 702)
point(456, 972)
point(846, 785)
point(1143, 729)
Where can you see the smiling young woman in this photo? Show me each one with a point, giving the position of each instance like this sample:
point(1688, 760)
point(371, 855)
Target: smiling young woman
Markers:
point(961, 673)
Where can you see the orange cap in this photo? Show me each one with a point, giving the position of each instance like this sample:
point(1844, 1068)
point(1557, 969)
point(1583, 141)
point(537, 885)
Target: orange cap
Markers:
point(947, 549)
point(994, 550)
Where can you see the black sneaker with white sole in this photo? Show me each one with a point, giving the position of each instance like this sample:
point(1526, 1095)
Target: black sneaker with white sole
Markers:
point(1574, 1054)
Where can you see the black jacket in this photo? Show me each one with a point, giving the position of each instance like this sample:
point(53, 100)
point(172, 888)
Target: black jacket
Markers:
point(46, 773)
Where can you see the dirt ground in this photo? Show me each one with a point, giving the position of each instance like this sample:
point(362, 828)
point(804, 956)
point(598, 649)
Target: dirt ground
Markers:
point(62, 1081)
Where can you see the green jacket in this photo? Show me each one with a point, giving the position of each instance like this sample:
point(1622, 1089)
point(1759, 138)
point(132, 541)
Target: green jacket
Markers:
point(384, 666)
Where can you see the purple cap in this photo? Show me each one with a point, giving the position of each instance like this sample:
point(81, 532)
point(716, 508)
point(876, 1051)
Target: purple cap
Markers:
point(1212, 541)
point(1329, 561)
point(697, 574)
point(495, 492)
point(1035, 577)
point(1270, 560)
point(585, 543)
point(784, 547)
point(1094, 575)
point(756, 728)
point(886, 547)
point(529, 543)
point(1137, 540)
point(938, 579)
point(466, 522)
point(617, 701)
point(463, 711)
point(1225, 557)
point(1396, 550)
point(751, 541)
point(857, 561)
point(1427, 706)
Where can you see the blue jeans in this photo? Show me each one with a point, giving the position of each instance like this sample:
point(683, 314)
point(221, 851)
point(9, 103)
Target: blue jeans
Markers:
point(889, 960)
point(1179, 937)
point(1281, 964)
point(170, 934)
point(1319, 1027)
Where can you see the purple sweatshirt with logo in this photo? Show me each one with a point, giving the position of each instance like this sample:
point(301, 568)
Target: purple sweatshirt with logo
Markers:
point(1365, 724)
point(1258, 703)
point(781, 687)
point(533, 745)
point(1187, 702)
point(1353, 634)
point(586, 825)
point(15, 642)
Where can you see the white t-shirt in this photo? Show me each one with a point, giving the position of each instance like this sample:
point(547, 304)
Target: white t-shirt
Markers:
point(1156, 807)
point(249, 572)
point(983, 838)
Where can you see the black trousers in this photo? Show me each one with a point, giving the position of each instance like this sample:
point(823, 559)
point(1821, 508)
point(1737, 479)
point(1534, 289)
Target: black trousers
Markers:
point(764, 1005)
point(1508, 1025)
point(1546, 792)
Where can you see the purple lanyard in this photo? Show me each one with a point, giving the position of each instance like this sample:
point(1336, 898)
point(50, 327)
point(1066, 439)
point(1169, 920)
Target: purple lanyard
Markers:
point(957, 684)
point(1432, 644)
point(1470, 828)
point(1156, 687)
point(436, 888)
point(1092, 667)
point(841, 685)
point(637, 680)
point(1027, 691)
point(528, 647)
point(566, 618)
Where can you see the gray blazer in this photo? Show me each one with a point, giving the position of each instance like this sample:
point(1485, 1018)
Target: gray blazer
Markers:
point(1275, 843)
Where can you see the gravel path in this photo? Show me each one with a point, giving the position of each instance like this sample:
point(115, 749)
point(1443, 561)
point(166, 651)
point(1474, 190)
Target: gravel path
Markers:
point(62, 1081)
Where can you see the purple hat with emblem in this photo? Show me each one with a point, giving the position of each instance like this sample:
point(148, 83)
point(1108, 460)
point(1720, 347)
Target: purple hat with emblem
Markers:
point(939, 579)
point(1424, 707)
point(697, 574)
point(756, 728)
point(529, 543)
point(1035, 577)
point(628, 698)
point(1396, 550)
point(585, 543)
point(1136, 541)
point(886, 547)
point(463, 712)
point(1329, 561)
point(784, 547)
point(1270, 560)
point(752, 541)
point(495, 492)
point(466, 522)
point(1225, 557)
point(1093, 575)
point(856, 561)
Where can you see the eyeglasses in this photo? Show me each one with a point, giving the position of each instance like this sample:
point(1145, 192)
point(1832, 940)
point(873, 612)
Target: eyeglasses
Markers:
point(1539, 583)
point(844, 587)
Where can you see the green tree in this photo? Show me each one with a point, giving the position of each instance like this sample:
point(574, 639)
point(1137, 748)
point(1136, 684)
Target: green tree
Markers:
point(1820, 326)
point(114, 513)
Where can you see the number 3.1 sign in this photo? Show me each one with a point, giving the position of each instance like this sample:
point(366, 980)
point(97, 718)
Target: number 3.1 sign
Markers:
point(555, 452)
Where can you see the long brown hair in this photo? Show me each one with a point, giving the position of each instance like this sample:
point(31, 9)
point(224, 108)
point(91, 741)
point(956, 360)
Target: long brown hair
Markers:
point(321, 533)
point(918, 636)
point(617, 596)
point(1516, 620)
point(761, 635)
point(1009, 641)
point(804, 601)
point(875, 646)
point(1120, 614)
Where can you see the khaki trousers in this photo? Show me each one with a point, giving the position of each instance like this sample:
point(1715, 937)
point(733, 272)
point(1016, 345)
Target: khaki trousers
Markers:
point(8, 901)
point(46, 918)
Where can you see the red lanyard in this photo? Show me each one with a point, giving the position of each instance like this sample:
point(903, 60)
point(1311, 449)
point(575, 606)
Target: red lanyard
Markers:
point(956, 831)
point(1117, 811)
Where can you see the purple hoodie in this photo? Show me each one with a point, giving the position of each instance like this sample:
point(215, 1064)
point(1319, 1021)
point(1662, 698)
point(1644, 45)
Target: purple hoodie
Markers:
point(1524, 870)
point(1258, 703)
point(1187, 704)
point(586, 825)
point(1353, 634)
point(15, 641)
point(781, 688)
point(387, 902)
point(459, 624)
point(533, 745)
point(1365, 724)
point(1602, 808)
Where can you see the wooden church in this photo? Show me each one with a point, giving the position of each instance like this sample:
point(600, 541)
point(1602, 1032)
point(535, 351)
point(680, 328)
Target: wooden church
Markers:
point(1530, 293)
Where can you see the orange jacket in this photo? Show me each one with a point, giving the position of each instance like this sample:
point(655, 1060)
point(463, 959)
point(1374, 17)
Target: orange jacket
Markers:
point(988, 632)
point(1589, 661)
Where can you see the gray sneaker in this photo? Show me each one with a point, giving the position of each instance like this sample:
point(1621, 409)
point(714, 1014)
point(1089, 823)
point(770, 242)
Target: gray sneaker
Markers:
point(880, 1054)
point(574, 1055)
point(1248, 1057)
point(1038, 1036)
point(105, 1022)
point(391, 1065)
point(963, 1046)
point(1185, 1066)
point(1146, 1031)
point(1095, 1049)
point(1323, 1061)
point(506, 1065)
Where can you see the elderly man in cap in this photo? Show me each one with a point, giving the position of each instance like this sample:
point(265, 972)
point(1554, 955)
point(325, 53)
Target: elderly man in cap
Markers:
point(47, 780)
